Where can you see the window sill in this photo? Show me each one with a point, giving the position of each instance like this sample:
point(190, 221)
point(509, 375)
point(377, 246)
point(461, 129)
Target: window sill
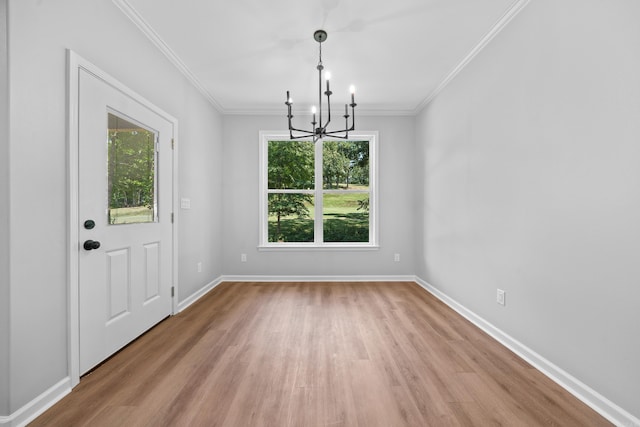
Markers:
point(298, 247)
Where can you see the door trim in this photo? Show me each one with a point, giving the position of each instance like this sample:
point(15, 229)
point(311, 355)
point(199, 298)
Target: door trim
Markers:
point(75, 64)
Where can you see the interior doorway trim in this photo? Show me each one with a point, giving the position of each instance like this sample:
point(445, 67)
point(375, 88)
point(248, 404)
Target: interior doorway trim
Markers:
point(75, 64)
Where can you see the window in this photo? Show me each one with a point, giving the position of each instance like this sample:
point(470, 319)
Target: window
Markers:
point(318, 195)
point(131, 172)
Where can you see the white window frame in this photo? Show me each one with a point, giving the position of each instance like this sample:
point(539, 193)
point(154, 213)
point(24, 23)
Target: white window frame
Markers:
point(317, 192)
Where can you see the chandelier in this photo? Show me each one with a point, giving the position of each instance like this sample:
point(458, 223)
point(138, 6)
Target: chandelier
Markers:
point(318, 128)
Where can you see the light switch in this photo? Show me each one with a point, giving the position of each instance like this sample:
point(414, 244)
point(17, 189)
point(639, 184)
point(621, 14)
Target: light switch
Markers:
point(185, 203)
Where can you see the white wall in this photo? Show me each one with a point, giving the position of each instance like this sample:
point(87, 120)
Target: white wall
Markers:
point(40, 32)
point(4, 213)
point(241, 218)
point(200, 177)
point(530, 177)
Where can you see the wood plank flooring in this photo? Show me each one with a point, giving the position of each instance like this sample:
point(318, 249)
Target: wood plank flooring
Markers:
point(317, 354)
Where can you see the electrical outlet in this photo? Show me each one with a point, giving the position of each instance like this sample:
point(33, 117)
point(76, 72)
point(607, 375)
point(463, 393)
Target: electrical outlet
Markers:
point(396, 257)
point(500, 297)
point(243, 257)
point(185, 203)
point(199, 267)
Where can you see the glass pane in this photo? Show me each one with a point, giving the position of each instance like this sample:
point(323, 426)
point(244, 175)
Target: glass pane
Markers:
point(291, 165)
point(346, 217)
point(290, 217)
point(345, 165)
point(131, 171)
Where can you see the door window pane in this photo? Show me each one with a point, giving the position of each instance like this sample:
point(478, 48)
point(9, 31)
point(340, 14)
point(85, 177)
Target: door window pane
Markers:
point(131, 167)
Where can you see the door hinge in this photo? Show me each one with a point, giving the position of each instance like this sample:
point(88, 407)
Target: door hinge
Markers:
point(157, 144)
point(171, 217)
point(173, 291)
point(173, 143)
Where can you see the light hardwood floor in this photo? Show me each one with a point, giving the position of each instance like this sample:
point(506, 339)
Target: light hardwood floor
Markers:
point(317, 354)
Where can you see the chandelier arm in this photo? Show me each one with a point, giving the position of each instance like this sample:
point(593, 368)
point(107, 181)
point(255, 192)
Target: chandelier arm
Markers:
point(353, 116)
point(303, 136)
point(333, 132)
point(328, 93)
point(304, 133)
point(338, 136)
point(320, 129)
point(291, 128)
point(290, 116)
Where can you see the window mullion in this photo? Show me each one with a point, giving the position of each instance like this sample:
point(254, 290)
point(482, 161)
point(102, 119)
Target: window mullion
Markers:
point(318, 203)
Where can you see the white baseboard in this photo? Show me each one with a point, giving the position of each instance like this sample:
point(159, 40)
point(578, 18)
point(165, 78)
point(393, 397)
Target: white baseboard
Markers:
point(198, 294)
point(37, 406)
point(318, 278)
point(586, 394)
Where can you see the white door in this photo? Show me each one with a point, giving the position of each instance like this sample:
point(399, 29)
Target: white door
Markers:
point(125, 198)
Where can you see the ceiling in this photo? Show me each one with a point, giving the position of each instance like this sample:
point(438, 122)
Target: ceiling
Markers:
point(245, 54)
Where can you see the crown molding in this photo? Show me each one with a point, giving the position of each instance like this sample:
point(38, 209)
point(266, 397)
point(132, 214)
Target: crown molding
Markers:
point(304, 112)
point(131, 13)
point(151, 34)
point(511, 12)
point(135, 17)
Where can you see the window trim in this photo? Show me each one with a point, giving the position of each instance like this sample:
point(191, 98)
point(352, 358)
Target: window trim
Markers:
point(263, 240)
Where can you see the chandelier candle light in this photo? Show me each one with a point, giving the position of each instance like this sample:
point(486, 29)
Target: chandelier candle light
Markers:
point(320, 131)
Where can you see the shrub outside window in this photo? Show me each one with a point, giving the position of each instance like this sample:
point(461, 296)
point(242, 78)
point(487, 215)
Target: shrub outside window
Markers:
point(318, 195)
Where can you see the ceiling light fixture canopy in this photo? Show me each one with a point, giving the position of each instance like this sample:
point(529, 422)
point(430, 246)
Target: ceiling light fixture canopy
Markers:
point(318, 129)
